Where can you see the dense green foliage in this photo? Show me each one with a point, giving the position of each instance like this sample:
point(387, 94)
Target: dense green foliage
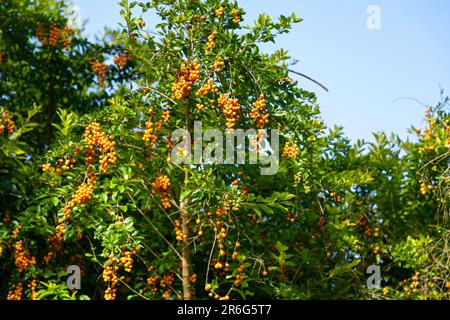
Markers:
point(87, 176)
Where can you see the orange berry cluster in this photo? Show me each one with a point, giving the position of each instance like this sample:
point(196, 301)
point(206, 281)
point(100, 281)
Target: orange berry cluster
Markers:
point(236, 13)
point(221, 212)
point(193, 278)
point(82, 195)
point(62, 165)
point(121, 60)
point(290, 151)
point(94, 136)
point(207, 88)
point(161, 186)
point(55, 34)
point(110, 277)
point(22, 258)
point(258, 114)
point(126, 260)
point(211, 44)
point(218, 64)
point(150, 137)
point(16, 292)
point(6, 123)
point(152, 283)
point(219, 12)
point(167, 283)
point(101, 70)
point(180, 236)
point(33, 286)
point(186, 78)
point(231, 109)
point(47, 168)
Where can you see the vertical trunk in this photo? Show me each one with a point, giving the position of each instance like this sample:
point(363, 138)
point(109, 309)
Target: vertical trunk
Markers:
point(185, 255)
point(185, 261)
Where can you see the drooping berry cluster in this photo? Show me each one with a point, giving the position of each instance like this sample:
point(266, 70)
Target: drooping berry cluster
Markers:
point(207, 87)
point(258, 113)
point(187, 77)
point(150, 137)
point(180, 236)
point(6, 123)
point(121, 60)
point(231, 109)
point(82, 195)
point(290, 151)
point(33, 292)
point(101, 70)
point(22, 258)
point(111, 278)
point(211, 44)
point(219, 12)
point(16, 292)
point(236, 13)
point(166, 115)
point(126, 260)
point(95, 137)
point(218, 64)
point(161, 186)
point(166, 283)
point(55, 35)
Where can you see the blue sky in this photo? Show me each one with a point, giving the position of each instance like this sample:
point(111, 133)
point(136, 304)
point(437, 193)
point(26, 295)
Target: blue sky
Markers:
point(365, 70)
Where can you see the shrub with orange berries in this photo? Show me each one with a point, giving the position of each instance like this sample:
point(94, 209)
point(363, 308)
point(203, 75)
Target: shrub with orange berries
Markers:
point(6, 123)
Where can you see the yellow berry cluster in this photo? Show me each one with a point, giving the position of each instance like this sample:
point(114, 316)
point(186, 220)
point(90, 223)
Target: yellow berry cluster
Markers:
point(231, 109)
point(200, 107)
point(6, 123)
point(16, 292)
point(425, 188)
point(110, 277)
point(290, 151)
point(207, 87)
point(95, 137)
point(218, 64)
point(219, 12)
point(166, 115)
point(236, 13)
point(336, 196)
point(161, 186)
point(121, 60)
point(22, 258)
point(211, 44)
point(126, 260)
point(258, 113)
point(187, 77)
point(101, 70)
